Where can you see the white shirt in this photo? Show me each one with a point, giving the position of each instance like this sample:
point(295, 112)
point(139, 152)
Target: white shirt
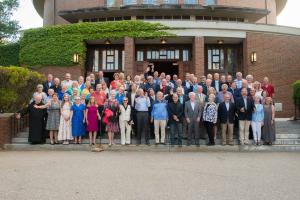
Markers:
point(227, 105)
point(193, 105)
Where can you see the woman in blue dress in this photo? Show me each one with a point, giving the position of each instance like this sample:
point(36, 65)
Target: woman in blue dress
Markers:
point(78, 118)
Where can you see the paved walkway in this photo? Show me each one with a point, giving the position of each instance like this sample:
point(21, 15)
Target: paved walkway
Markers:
point(149, 175)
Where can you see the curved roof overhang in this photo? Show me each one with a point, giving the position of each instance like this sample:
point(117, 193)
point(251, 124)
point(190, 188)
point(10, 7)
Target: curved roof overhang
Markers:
point(280, 4)
point(167, 9)
point(39, 6)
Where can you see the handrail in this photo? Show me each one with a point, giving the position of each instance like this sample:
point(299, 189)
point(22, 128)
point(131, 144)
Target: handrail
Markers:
point(19, 125)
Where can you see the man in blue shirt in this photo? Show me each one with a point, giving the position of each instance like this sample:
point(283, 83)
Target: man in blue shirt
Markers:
point(159, 116)
point(142, 104)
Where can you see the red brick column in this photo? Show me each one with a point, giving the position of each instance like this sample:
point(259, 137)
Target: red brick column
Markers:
point(129, 48)
point(198, 56)
point(5, 129)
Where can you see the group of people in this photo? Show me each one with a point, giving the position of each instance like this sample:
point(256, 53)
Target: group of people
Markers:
point(148, 104)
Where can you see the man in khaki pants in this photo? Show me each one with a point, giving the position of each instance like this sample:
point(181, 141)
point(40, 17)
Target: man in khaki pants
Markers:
point(159, 116)
point(245, 108)
point(226, 113)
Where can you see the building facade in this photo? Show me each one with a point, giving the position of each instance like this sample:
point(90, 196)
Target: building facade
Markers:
point(212, 36)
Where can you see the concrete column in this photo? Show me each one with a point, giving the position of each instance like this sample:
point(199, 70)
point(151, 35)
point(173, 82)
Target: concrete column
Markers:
point(49, 13)
point(198, 56)
point(129, 48)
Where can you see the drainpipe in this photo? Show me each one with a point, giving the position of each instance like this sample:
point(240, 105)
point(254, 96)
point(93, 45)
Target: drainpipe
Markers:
point(266, 7)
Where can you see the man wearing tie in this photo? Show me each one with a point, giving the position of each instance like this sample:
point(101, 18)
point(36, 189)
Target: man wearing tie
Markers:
point(192, 111)
point(244, 107)
point(216, 82)
point(226, 113)
point(48, 84)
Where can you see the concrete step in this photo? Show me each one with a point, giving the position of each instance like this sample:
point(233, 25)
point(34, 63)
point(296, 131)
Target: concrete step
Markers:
point(287, 142)
point(287, 136)
point(158, 148)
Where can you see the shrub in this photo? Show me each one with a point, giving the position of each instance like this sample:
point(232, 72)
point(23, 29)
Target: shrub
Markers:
point(296, 94)
point(9, 54)
point(17, 85)
point(55, 45)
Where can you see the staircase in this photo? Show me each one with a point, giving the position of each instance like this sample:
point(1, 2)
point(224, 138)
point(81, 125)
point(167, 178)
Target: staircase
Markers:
point(287, 139)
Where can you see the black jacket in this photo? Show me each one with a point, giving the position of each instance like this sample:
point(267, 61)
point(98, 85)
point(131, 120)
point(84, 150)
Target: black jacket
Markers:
point(247, 115)
point(175, 109)
point(46, 86)
point(106, 80)
point(225, 115)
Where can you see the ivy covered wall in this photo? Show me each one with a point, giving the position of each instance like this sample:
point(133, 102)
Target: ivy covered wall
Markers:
point(9, 54)
point(55, 45)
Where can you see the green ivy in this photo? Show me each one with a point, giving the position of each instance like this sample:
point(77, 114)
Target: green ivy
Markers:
point(9, 54)
point(296, 93)
point(55, 45)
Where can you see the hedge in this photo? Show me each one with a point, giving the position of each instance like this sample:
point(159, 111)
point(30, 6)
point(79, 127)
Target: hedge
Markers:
point(9, 54)
point(296, 93)
point(55, 45)
point(17, 85)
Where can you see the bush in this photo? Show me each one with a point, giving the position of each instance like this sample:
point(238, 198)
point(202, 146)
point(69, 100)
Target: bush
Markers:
point(17, 85)
point(9, 54)
point(296, 94)
point(55, 45)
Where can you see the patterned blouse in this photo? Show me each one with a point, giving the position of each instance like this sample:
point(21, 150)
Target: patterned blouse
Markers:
point(210, 113)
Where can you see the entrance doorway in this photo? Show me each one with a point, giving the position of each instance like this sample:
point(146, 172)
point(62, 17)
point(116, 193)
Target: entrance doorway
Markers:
point(167, 67)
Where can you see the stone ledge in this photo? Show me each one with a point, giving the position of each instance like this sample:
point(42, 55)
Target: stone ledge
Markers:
point(152, 148)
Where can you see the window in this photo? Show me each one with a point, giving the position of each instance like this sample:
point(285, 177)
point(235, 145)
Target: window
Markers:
point(110, 59)
point(215, 59)
point(110, 3)
point(162, 54)
point(96, 61)
point(150, 2)
point(129, 2)
point(185, 55)
point(171, 1)
point(140, 56)
point(191, 2)
point(209, 2)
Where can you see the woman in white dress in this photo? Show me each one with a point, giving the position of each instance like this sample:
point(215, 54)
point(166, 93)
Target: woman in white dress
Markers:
point(64, 132)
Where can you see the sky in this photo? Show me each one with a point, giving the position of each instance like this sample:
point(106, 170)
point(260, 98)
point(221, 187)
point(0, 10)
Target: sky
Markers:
point(29, 18)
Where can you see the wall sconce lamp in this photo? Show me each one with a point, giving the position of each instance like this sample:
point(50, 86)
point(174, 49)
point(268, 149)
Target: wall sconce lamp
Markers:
point(107, 42)
point(75, 58)
point(163, 41)
point(220, 41)
point(253, 57)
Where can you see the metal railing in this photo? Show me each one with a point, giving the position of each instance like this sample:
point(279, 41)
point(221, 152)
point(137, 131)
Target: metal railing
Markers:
point(19, 125)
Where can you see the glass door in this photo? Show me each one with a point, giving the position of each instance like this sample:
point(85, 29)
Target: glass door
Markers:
point(223, 59)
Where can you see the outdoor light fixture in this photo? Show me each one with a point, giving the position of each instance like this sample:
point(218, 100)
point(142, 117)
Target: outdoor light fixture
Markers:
point(163, 41)
point(107, 41)
point(175, 63)
point(76, 58)
point(220, 41)
point(253, 57)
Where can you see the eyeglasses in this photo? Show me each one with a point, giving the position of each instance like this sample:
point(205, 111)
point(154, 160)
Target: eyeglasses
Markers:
point(125, 100)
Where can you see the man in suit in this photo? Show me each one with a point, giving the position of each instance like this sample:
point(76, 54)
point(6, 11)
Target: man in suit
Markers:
point(200, 96)
point(245, 107)
point(101, 78)
point(48, 84)
point(164, 88)
point(192, 112)
point(226, 113)
point(216, 82)
point(176, 115)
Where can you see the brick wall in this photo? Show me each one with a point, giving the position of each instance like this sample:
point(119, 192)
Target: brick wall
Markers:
point(59, 71)
point(198, 56)
point(129, 48)
point(5, 129)
point(278, 58)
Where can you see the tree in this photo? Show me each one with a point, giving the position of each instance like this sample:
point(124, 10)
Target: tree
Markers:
point(8, 26)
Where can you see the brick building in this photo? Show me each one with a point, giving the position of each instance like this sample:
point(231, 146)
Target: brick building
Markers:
point(213, 36)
